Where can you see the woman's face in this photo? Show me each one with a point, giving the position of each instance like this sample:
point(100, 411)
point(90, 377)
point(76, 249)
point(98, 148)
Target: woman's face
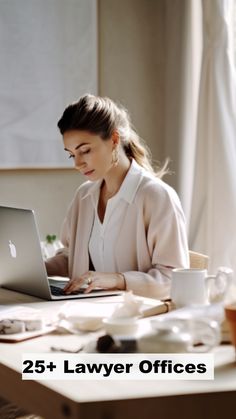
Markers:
point(92, 155)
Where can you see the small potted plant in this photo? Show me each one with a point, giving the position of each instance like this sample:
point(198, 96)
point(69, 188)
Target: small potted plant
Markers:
point(50, 245)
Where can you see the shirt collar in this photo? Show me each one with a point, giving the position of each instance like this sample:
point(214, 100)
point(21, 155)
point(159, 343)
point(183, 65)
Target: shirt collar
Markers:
point(128, 187)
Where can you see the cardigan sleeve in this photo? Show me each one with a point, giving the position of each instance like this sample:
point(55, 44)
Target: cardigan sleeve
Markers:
point(155, 283)
point(166, 240)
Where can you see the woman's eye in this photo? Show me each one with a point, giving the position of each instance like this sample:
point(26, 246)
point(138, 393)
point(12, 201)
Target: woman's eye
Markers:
point(71, 156)
point(85, 151)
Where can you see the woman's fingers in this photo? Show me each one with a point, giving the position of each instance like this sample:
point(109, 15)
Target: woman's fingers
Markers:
point(94, 280)
point(68, 285)
point(94, 283)
point(76, 283)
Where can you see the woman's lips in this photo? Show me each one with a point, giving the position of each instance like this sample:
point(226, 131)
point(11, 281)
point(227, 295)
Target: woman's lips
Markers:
point(88, 173)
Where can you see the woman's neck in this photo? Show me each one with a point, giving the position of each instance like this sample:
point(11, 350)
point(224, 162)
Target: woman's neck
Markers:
point(114, 179)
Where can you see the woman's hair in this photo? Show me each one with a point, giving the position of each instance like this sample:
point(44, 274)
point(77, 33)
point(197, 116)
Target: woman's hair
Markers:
point(102, 116)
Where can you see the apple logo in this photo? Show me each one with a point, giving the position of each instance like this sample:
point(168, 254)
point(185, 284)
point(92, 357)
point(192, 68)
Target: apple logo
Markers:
point(12, 248)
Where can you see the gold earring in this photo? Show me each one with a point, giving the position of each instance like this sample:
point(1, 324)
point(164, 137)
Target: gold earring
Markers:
point(115, 156)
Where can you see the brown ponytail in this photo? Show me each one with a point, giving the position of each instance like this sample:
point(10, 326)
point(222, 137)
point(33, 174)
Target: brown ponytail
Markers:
point(135, 148)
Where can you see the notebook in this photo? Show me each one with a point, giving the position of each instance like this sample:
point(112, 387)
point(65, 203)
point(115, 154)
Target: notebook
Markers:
point(22, 267)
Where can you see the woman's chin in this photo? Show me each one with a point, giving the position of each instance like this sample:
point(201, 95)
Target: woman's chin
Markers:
point(92, 176)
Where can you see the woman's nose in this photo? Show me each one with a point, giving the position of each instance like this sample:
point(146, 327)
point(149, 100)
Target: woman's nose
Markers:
point(78, 159)
point(79, 162)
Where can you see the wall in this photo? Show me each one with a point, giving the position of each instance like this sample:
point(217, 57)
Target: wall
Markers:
point(131, 62)
point(48, 192)
point(131, 71)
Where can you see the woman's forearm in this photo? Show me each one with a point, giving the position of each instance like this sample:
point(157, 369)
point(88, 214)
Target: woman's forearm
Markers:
point(57, 265)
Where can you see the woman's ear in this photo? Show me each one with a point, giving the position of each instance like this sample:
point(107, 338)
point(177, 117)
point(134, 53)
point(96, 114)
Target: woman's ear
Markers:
point(115, 138)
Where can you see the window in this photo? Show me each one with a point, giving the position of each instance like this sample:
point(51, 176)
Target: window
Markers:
point(48, 55)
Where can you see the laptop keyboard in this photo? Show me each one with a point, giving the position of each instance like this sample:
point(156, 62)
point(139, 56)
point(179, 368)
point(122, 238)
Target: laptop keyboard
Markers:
point(59, 291)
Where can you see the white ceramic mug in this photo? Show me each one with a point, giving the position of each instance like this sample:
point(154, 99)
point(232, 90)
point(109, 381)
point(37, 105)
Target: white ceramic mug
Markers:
point(194, 286)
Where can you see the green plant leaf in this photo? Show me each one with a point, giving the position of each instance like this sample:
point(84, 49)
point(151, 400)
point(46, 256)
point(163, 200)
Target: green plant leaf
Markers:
point(50, 238)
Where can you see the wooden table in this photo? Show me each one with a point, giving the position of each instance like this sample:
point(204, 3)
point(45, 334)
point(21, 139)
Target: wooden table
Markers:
point(111, 399)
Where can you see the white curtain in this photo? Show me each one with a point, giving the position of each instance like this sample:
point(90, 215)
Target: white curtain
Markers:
point(48, 54)
point(213, 208)
point(200, 124)
point(182, 79)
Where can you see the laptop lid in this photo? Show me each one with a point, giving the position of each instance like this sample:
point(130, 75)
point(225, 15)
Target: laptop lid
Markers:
point(22, 267)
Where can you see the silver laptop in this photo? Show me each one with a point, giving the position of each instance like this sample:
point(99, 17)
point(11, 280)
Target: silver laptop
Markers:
point(22, 267)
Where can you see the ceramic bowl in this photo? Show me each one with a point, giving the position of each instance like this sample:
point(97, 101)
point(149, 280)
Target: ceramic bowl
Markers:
point(85, 323)
point(121, 326)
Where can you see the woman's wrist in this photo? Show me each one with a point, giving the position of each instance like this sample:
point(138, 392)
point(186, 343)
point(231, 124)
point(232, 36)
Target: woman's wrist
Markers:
point(121, 283)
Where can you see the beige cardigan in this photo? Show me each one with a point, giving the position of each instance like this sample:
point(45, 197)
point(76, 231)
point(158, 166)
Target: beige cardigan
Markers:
point(152, 238)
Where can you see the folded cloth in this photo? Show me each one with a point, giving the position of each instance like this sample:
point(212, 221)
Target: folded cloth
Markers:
point(10, 326)
point(20, 319)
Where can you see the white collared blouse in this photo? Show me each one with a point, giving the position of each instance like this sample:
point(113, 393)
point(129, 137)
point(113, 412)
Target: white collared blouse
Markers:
point(143, 234)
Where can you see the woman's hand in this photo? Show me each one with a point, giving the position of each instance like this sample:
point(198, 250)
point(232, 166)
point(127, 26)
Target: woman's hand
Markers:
point(93, 280)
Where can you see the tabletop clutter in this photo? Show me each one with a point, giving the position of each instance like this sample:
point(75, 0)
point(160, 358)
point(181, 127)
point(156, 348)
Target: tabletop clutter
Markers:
point(124, 326)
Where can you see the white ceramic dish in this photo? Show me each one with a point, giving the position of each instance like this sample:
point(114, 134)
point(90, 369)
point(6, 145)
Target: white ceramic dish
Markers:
point(75, 324)
point(121, 326)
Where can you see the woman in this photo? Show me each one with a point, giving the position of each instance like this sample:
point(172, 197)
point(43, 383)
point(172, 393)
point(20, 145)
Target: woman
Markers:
point(125, 227)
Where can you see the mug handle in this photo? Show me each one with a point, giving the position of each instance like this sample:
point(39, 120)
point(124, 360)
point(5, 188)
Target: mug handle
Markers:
point(218, 288)
point(206, 335)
